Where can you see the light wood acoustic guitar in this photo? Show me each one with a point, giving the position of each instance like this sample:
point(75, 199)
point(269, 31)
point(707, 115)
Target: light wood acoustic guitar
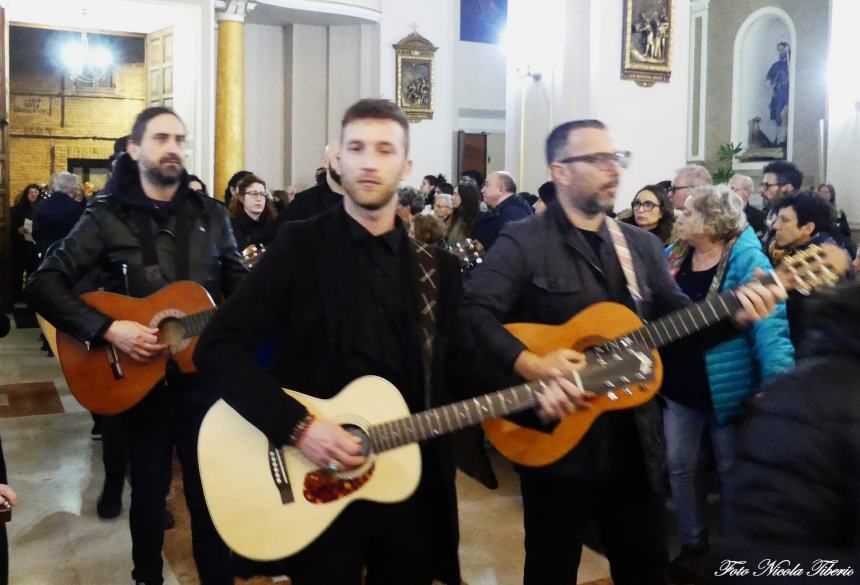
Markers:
point(602, 327)
point(269, 503)
point(105, 380)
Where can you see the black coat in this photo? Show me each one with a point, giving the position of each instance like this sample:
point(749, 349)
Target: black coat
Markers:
point(311, 202)
point(757, 219)
point(542, 270)
point(490, 223)
point(249, 231)
point(796, 482)
point(105, 241)
point(292, 296)
point(54, 219)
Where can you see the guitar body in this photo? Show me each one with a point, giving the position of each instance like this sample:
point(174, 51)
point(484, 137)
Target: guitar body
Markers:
point(256, 518)
point(88, 371)
point(593, 326)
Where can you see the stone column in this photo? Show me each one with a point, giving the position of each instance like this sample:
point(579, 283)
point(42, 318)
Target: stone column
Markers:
point(230, 91)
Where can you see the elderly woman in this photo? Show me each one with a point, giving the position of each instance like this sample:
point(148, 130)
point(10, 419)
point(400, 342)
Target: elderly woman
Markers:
point(707, 376)
point(443, 207)
point(652, 210)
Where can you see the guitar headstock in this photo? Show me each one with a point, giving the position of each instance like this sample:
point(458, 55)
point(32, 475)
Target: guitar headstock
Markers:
point(252, 254)
point(815, 266)
point(469, 252)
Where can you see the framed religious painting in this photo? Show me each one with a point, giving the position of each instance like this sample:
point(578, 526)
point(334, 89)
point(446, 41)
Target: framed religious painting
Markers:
point(415, 77)
point(646, 50)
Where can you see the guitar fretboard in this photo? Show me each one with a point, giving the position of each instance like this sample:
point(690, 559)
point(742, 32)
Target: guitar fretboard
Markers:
point(453, 417)
point(688, 320)
point(195, 323)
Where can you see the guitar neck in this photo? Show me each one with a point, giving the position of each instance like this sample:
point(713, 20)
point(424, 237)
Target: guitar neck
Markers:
point(195, 323)
point(692, 319)
point(460, 415)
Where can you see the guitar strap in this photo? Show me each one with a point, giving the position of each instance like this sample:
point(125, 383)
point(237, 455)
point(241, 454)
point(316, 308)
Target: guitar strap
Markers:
point(427, 279)
point(625, 259)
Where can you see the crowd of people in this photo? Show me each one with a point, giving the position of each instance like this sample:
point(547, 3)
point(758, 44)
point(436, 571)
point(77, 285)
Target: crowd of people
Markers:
point(336, 297)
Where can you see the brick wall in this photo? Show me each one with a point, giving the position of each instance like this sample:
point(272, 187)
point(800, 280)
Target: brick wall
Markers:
point(51, 121)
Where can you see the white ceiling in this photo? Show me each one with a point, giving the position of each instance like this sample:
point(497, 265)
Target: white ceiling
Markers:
point(138, 16)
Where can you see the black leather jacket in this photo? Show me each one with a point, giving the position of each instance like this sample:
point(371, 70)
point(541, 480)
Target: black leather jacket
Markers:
point(105, 246)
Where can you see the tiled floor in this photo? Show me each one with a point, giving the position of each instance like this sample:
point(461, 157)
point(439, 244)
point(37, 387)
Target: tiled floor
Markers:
point(56, 537)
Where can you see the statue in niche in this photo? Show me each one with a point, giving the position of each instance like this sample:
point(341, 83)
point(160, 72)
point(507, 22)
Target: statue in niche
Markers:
point(778, 83)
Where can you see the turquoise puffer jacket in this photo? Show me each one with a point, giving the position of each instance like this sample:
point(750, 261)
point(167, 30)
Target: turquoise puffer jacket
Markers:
point(737, 367)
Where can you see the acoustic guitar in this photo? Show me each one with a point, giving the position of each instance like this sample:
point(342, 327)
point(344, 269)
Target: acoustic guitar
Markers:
point(105, 380)
point(602, 327)
point(269, 503)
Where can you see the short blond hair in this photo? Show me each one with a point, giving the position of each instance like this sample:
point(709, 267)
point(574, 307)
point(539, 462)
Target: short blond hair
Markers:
point(722, 211)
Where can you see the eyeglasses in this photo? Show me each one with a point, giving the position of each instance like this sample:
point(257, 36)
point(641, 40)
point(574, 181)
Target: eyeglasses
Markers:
point(256, 194)
point(601, 159)
point(645, 205)
point(674, 189)
point(767, 186)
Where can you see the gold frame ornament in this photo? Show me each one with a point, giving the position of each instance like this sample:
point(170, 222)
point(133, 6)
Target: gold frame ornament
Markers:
point(646, 52)
point(415, 77)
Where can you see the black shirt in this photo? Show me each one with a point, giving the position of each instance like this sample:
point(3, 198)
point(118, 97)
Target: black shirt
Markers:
point(381, 333)
point(686, 379)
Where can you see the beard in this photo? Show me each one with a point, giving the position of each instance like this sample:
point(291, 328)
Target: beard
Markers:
point(335, 176)
point(591, 205)
point(161, 177)
point(372, 205)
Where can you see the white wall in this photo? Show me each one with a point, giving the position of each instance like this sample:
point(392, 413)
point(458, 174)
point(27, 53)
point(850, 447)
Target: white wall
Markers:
point(843, 110)
point(264, 103)
point(307, 110)
point(432, 141)
point(650, 122)
point(344, 73)
point(479, 87)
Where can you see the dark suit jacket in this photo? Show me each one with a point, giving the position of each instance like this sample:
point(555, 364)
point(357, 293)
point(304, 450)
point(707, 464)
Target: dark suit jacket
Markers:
point(757, 219)
point(293, 296)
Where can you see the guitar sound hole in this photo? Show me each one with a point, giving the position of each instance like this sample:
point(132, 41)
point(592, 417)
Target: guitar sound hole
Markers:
point(171, 331)
point(359, 433)
point(322, 487)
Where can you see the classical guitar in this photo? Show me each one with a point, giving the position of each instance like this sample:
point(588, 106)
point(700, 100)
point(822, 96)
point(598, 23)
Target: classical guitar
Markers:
point(105, 380)
point(469, 252)
point(602, 327)
point(269, 503)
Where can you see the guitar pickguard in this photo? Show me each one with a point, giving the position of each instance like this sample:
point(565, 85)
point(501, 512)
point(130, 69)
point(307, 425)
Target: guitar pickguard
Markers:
point(322, 487)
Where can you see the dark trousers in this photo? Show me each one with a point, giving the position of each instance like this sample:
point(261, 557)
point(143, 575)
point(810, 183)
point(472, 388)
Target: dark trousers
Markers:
point(559, 510)
point(114, 454)
point(165, 419)
point(390, 541)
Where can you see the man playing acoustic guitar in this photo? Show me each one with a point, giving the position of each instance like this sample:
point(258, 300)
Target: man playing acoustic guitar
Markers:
point(347, 294)
point(148, 230)
point(545, 270)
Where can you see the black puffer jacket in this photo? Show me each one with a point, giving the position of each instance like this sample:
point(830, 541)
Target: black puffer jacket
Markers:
point(106, 241)
point(796, 491)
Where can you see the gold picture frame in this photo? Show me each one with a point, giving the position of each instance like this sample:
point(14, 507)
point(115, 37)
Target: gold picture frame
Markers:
point(415, 78)
point(646, 51)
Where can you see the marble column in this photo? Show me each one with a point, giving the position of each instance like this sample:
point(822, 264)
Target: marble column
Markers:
point(230, 91)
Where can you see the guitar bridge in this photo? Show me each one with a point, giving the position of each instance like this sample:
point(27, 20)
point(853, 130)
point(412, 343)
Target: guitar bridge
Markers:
point(279, 474)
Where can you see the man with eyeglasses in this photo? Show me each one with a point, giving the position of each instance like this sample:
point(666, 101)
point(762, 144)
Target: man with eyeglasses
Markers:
point(545, 270)
point(780, 178)
point(686, 179)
